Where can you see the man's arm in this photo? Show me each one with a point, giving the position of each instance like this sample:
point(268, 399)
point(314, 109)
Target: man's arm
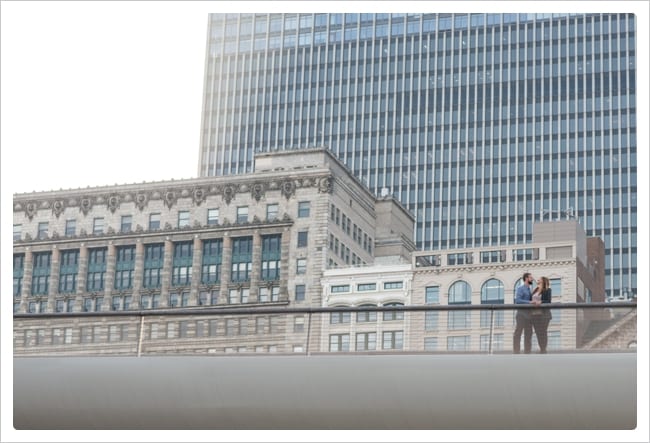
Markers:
point(522, 295)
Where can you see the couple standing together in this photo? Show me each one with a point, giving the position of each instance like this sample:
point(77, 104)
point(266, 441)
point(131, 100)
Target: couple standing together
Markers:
point(527, 319)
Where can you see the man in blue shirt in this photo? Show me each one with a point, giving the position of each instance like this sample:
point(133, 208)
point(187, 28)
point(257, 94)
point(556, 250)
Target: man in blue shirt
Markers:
point(524, 324)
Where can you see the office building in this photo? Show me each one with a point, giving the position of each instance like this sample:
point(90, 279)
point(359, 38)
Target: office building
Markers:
point(480, 124)
point(255, 240)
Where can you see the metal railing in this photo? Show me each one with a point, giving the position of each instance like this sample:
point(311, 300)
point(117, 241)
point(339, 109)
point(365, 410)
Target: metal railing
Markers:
point(277, 328)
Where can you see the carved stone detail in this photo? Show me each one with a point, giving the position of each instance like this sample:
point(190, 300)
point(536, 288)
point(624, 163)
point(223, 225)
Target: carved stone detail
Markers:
point(57, 207)
point(168, 226)
point(229, 193)
point(85, 205)
point(325, 185)
point(113, 203)
point(288, 188)
point(30, 210)
point(141, 200)
point(170, 198)
point(198, 196)
point(257, 191)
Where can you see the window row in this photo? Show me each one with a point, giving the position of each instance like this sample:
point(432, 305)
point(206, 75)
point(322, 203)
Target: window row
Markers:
point(366, 341)
point(154, 221)
point(348, 227)
point(340, 250)
point(181, 270)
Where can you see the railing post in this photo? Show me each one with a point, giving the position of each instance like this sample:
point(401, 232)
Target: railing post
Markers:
point(308, 332)
point(491, 329)
point(140, 335)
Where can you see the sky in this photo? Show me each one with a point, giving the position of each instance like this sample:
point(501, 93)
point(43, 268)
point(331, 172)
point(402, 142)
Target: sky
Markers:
point(103, 93)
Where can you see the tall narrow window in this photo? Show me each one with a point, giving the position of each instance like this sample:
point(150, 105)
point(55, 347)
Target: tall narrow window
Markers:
point(242, 214)
point(41, 273)
point(124, 267)
point(125, 223)
point(69, 267)
point(98, 225)
point(301, 266)
point(153, 265)
point(211, 266)
point(242, 259)
point(213, 216)
point(303, 209)
point(432, 295)
point(300, 292)
point(154, 221)
point(70, 227)
point(271, 257)
point(460, 293)
point(183, 219)
point(42, 230)
point(19, 270)
point(302, 239)
point(96, 269)
point(492, 293)
point(182, 264)
point(272, 212)
point(18, 231)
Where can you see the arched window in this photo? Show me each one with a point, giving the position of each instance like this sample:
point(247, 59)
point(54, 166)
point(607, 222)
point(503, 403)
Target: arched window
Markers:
point(367, 315)
point(393, 315)
point(460, 293)
point(492, 292)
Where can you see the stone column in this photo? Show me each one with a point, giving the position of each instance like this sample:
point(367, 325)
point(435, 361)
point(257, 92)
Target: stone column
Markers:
point(197, 254)
point(226, 264)
point(284, 264)
point(138, 274)
point(109, 278)
point(28, 268)
point(256, 272)
point(53, 289)
point(82, 271)
point(165, 284)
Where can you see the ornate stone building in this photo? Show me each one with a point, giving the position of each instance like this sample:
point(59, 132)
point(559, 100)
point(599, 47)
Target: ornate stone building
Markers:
point(479, 276)
point(256, 240)
point(560, 251)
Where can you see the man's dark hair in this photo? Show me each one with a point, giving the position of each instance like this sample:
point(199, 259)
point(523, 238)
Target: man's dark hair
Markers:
point(526, 275)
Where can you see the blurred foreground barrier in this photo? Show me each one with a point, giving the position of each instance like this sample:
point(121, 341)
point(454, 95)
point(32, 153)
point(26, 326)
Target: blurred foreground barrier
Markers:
point(399, 391)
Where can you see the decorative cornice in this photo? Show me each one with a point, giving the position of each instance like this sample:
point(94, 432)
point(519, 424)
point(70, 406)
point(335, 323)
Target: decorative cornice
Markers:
point(501, 266)
point(139, 232)
point(170, 192)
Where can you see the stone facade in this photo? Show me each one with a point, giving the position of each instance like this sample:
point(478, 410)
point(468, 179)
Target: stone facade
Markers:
point(300, 232)
point(297, 214)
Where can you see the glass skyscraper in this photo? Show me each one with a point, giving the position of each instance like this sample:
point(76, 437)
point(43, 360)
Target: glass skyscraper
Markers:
point(479, 123)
